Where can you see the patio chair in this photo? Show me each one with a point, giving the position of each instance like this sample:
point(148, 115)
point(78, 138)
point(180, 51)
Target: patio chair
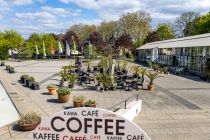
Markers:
point(140, 82)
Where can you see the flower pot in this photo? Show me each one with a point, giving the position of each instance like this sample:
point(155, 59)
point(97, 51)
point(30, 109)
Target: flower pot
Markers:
point(52, 90)
point(63, 98)
point(29, 127)
point(78, 104)
point(150, 87)
point(92, 105)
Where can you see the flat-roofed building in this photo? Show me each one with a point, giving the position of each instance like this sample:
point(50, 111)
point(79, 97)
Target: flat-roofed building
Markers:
point(191, 52)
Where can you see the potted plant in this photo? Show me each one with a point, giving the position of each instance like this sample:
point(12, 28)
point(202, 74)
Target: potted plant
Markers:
point(29, 121)
point(143, 72)
point(7, 67)
point(63, 94)
point(165, 70)
point(152, 76)
point(90, 103)
point(29, 81)
point(64, 75)
point(136, 70)
point(72, 79)
point(11, 70)
point(52, 89)
point(78, 101)
point(22, 77)
point(2, 63)
point(35, 85)
point(25, 78)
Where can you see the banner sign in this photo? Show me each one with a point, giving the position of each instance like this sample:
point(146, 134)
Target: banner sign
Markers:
point(86, 123)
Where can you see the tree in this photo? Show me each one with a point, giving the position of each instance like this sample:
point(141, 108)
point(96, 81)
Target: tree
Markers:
point(164, 31)
point(107, 30)
point(12, 39)
point(38, 39)
point(136, 24)
point(71, 36)
point(201, 24)
point(96, 40)
point(83, 31)
point(138, 43)
point(183, 26)
point(152, 37)
point(123, 42)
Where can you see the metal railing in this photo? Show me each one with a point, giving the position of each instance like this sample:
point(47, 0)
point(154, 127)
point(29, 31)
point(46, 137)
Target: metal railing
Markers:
point(125, 101)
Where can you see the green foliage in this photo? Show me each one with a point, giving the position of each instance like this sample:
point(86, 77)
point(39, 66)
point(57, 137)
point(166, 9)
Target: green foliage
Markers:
point(94, 54)
point(51, 86)
point(25, 53)
point(38, 39)
point(78, 98)
point(164, 31)
point(72, 78)
point(152, 76)
point(63, 91)
point(202, 24)
point(138, 43)
point(90, 102)
point(29, 118)
point(9, 39)
point(12, 39)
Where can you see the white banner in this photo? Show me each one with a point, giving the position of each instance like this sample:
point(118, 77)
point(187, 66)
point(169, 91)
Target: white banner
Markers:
point(87, 124)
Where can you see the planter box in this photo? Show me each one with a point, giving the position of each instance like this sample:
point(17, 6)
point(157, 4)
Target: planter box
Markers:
point(11, 70)
point(35, 86)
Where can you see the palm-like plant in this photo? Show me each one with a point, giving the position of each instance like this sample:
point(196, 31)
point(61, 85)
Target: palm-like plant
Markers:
point(143, 71)
point(152, 76)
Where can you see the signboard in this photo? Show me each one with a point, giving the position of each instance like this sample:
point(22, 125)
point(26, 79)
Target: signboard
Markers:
point(87, 124)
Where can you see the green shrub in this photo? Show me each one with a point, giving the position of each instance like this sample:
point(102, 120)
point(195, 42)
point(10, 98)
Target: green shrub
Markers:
point(29, 118)
point(63, 91)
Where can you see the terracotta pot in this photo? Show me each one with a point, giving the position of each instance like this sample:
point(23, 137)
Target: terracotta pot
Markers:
point(93, 105)
point(52, 90)
point(78, 104)
point(29, 127)
point(63, 98)
point(150, 87)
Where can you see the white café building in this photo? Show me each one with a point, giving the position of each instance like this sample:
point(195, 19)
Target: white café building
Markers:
point(189, 52)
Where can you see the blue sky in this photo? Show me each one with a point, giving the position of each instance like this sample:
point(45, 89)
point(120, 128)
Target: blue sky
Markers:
point(28, 16)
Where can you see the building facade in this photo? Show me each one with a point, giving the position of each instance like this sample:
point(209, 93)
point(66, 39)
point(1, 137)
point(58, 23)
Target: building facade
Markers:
point(192, 53)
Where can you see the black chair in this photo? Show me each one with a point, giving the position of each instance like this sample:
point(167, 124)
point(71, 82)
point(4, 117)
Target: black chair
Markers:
point(140, 82)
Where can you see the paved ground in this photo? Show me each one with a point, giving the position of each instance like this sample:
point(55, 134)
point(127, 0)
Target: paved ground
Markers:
point(179, 108)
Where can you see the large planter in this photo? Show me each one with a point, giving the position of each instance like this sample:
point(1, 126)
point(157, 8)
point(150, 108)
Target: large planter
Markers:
point(2, 63)
point(7, 67)
point(35, 86)
point(11, 70)
point(29, 83)
point(150, 87)
point(29, 127)
point(52, 90)
point(63, 98)
point(78, 104)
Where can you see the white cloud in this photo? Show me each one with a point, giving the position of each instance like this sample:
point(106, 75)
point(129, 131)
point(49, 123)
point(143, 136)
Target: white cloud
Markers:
point(25, 2)
point(165, 9)
point(61, 11)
